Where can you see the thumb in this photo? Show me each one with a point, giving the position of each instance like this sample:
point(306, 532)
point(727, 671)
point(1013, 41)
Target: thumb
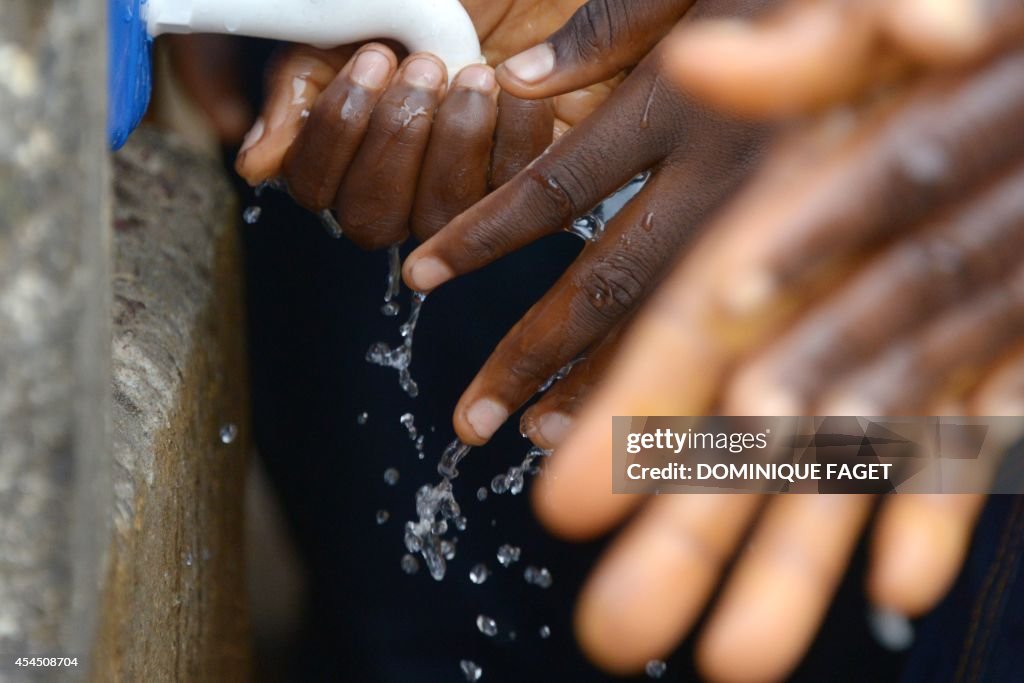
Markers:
point(601, 39)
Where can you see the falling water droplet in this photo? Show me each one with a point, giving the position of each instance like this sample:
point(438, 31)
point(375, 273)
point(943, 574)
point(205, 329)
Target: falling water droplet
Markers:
point(400, 358)
point(545, 632)
point(487, 626)
point(252, 214)
point(410, 565)
point(228, 433)
point(479, 573)
point(655, 668)
point(362, 418)
point(383, 516)
point(508, 554)
point(538, 577)
point(391, 476)
point(470, 670)
point(481, 494)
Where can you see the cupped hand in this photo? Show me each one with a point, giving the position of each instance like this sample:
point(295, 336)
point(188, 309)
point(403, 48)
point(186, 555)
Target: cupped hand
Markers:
point(390, 146)
point(871, 266)
point(695, 159)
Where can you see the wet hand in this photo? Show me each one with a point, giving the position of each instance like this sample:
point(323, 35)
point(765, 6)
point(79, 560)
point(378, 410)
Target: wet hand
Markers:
point(695, 159)
point(391, 147)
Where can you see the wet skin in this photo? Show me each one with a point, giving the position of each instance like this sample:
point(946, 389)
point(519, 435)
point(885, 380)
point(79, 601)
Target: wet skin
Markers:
point(389, 146)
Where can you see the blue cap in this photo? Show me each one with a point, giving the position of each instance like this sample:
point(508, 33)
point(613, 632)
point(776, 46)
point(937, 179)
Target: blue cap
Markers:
point(129, 75)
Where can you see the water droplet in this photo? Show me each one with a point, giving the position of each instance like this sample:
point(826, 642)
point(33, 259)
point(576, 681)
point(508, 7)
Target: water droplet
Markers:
point(508, 554)
point(448, 549)
point(383, 516)
point(588, 227)
point(400, 358)
point(452, 456)
point(538, 577)
point(362, 418)
point(487, 626)
point(514, 480)
point(252, 214)
point(410, 565)
point(545, 632)
point(481, 494)
point(470, 670)
point(479, 573)
point(655, 668)
point(892, 630)
point(391, 476)
point(331, 224)
point(394, 282)
point(648, 222)
point(228, 433)
point(189, 560)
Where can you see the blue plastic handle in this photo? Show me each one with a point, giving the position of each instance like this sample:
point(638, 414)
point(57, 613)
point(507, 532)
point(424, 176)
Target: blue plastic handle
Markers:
point(130, 69)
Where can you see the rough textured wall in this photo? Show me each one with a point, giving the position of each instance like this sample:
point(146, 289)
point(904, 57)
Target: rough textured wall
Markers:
point(54, 464)
point(174, 607)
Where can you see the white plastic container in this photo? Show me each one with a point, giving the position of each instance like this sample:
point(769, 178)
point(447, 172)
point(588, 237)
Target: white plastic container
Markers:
point(441, 27)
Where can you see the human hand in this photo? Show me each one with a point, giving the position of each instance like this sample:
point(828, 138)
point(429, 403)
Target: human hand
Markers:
point(391, 159)
point(695, 158)
point(871, 267)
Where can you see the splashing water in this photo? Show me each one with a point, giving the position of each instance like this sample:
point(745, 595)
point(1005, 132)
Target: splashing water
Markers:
point(400, 358)
point(655, 668)
point(487, 626)
point(479, 573)
point(591, 226)
point(436, 507)
point(470, 670)
point(508, 554)
point(538, 577)
point(409, 422)
point(391, 307)
point(588, 227)
point(271, 184)
point(514, 480)
point(252, 214)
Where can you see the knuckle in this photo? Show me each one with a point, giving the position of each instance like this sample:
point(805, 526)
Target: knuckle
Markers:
point(613, 287)
point(596, 28)
point(558, 193)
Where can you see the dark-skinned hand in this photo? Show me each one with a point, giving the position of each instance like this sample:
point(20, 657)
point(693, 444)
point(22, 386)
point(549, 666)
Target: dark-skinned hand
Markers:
point(695, 158)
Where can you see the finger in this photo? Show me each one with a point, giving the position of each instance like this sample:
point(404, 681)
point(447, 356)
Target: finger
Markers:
point(295, 78)
point(918, 548)
point(525, 129)
point(605, 284)
point(819, 205)
point(210, 71)
point(808, 55)
point(319, 157)
point(548, 421)
point(1002, 390)
point(952, 32)
point(580, 170)
point(599, 40)
point(577, 105)
point(938, 266)
point(454, 173)
point(948, 356)
point(652, 585)
point(782, 585)
point(376, 196)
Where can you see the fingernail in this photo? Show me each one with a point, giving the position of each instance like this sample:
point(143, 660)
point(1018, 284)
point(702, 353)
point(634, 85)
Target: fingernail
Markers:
point(423, 72)
point(254, 135)
point(533, 65)
point(553, 427)
point(485, 417)
point(429, 272)
point(476, 77)
point(371, 69)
